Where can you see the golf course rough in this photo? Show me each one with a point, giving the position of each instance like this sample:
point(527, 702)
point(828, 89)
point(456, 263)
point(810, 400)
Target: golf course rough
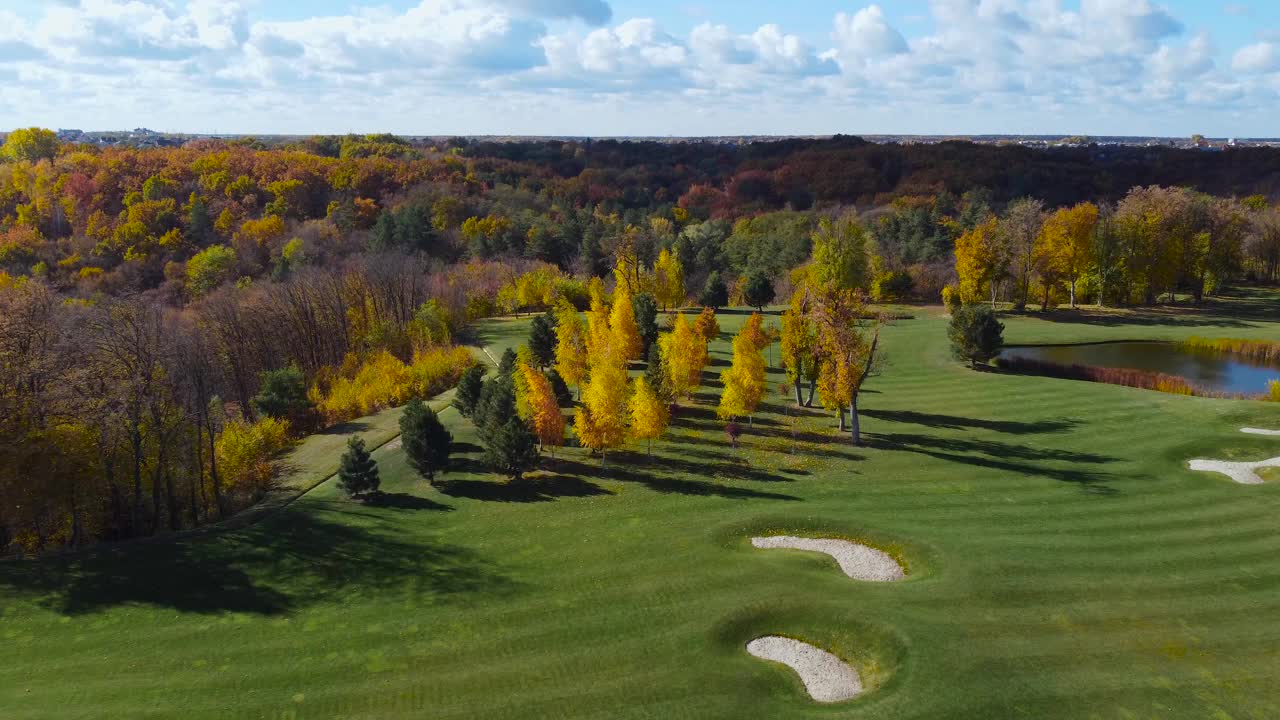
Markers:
point(858, 561)
point(827, 678)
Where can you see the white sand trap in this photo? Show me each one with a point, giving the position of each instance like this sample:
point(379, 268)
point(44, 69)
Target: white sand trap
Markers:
point(1242, 472)
point(857, 561)
point(1260, 431)
point(827, 678)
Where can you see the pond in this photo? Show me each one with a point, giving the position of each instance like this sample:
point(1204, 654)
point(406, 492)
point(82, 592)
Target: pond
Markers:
point(1212, 371)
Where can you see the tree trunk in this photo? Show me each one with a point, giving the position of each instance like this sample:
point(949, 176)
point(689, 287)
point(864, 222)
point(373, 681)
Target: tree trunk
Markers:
point(856, 430)
point(135, 442)
point(813, 388)
point(799, 402)
point(840, 412)
point(1073, 294)
point(213, 474)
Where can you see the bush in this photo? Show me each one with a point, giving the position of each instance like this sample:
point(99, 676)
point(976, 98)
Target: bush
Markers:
point(976, 335)
point(891, 286)
point(383, 381)
point(284, 396)
point(951, 298)
point(246, 454)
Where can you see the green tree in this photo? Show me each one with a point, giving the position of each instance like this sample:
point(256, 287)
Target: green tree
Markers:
point(842, 253)
point(715, 294)
point(656, 375)
point(561, 389)
point(426, 442)
point(468, 393)
point(758, 291)
point(497, 403)
point(646, 312)
point(975, 333)
point(358, 471)
point(30, 144)
point(210, 268)
point(283, 395)
point(512, 448)
point(542, 339)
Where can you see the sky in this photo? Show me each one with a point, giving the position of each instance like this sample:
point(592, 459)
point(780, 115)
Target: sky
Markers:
point(644, 67)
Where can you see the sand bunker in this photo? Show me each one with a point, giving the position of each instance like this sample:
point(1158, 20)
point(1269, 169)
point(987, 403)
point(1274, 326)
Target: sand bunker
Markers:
point(827, 678)
point(1244, 473)
point(857, 561)
point(1260, 431)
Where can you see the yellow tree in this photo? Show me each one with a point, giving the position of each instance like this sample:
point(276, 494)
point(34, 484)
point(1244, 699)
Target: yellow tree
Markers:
point(680, 351)
point(744, 381)
point(800, 345)
point(753, 330)
point(571, 345)
point(622, 326)
point(980, 261)
point(601, 422)
point(649, 414)
point(707, 327)
point(848, 352)
point(544, 411)
point(668, 274)
point(597, 327)
point(628, 269)
point(1067, 236)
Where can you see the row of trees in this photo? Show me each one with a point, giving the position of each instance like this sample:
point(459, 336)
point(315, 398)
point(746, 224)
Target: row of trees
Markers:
point(1154, 243)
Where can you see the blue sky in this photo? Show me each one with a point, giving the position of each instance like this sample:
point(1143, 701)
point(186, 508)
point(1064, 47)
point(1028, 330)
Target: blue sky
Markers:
point(659, 67)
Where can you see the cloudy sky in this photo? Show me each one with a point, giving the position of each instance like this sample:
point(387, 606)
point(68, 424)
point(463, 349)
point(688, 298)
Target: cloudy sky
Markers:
point(644, 67)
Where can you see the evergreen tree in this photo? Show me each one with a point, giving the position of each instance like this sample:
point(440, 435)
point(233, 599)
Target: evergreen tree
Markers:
point(512, 448)
point(497, 404)
point(507, 365)
point(284, 396)
point(199, 224)
point(758, 291)
point(542, 339)
point(468, 393)
point(383, 236)
point(564, 398)
point(976, 335)
point(425, 440)
point(358, 472)
point(655, 374)
point(646, 314)
point(715, 294)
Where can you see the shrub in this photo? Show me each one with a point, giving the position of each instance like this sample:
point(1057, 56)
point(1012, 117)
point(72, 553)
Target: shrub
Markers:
point(284, 396)
point(1264, 351)
point(246, 454)
point(976, 335)
point(951, 298)
point(383, 381)
point(1273, 391)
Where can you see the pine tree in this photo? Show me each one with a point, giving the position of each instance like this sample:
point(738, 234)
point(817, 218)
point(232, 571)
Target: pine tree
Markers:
point(758, 290)
point(425, 440)
point(646, 314)
point(497, 403)
point(649, 413)
point(512, 449)
point(542, 339)
point(507, 364)
point(571, 345)
point(468, 392)
point(975, 333)
point(715, 294)
point(655, 373)
point(559, 388)
point(358, 471)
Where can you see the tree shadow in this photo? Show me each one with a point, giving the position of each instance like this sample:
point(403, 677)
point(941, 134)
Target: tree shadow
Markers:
point(273, 568)
point(1001, 456)
point(956, 422)
point(623, 466)
point(346, 428)
point(404, 501)
point(1166, 316)
point(541, 488)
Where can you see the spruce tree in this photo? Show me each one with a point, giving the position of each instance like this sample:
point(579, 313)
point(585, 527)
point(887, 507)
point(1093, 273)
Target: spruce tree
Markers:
point(425, 440)
point(497, 404)
point(975, 333)
point(468, 393)
point(542, 339)
point(715, 294)
point(561, 389)
point(513, 449)
point(645, 309)
point(358, 472)
point(655, 374)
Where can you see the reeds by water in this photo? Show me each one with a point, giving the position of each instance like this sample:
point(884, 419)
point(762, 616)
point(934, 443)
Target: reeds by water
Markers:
point(1264, 351)
point(1144, 379)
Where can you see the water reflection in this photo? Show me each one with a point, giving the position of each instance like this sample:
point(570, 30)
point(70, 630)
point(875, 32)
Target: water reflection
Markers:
point(1213, 371)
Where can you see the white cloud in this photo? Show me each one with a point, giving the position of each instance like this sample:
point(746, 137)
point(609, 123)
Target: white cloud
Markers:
point(1257, 58)
point(986, 61)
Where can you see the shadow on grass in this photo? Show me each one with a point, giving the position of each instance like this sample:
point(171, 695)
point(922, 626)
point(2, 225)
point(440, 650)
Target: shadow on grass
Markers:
point(629, 467)
point(405, 501)
point(542, 488)
point(346, 428)
point(956, 422)
point(1007, 457)
point(273, 568)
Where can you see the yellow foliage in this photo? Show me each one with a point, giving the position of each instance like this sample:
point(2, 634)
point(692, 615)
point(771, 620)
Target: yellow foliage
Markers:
point(979, 260)
point(1273, 391)
point(544, 410)
point(571, 345)
point(684, 352)
point(246, 452)
point(601, 424)
point(668, 280)
point(624, 334)
point(706, 325)
point(744, 381)
point(649, 414)
point(382, 380)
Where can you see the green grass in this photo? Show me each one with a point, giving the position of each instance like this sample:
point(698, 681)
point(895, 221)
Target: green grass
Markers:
point(1063, 563)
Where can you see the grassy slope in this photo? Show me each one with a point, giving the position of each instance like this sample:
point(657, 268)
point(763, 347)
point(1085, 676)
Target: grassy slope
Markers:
point(1064, 564)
